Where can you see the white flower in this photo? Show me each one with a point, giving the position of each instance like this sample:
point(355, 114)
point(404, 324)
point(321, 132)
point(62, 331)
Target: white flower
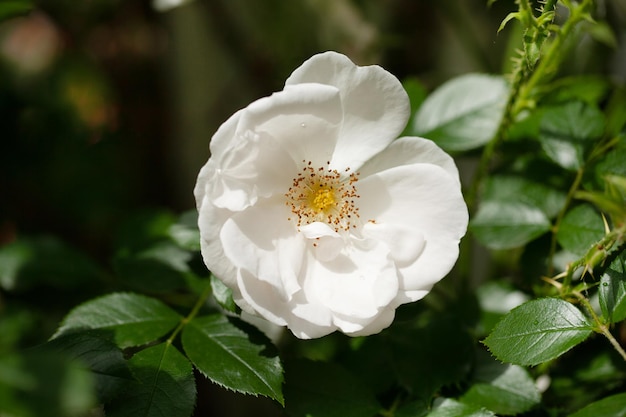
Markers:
point(315, 216)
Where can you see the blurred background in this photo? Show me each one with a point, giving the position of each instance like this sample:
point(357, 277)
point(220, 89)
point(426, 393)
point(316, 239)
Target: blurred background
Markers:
point(107, 106)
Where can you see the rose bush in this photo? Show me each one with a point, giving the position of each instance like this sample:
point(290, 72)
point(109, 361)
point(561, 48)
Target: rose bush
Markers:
point(315, 215)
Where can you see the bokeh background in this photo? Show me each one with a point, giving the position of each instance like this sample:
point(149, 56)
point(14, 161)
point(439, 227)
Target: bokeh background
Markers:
point(107, 108)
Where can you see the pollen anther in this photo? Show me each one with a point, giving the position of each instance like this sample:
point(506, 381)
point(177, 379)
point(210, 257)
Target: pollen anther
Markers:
point(323, 195)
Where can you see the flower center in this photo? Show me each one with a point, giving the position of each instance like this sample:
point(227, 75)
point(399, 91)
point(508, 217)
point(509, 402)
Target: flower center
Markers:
point(322, 199)
point(323, 195)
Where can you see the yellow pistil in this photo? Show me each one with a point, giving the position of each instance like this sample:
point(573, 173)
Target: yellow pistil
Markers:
point(322, 199)
point(323, 195)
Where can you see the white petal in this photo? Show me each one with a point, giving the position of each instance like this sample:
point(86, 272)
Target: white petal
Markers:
point(382, 321)
point(304, 120)
point(425, 198)
point(324, 241)
point(404, 242)
point(317, 229)
point(262, 241)
point(354, 284)
point(210, 222)
point(304, 319)
point(375, 105)
point(410, 150)
point(223, 138)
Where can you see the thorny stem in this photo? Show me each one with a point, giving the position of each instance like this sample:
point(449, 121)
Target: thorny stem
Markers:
point(193, 313)
point(524, 83)
point(600, 326)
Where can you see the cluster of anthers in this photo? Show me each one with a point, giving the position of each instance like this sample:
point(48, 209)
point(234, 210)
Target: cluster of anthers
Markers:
point(323, 195)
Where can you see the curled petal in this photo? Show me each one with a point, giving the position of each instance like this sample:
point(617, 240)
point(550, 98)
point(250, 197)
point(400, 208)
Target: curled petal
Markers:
point(303, 119)
point(357, 283)
point(262, 241)
point(306, 320)
point(405, 243)
point(424, 198)
point(375, 106)
point(380, 322)
point(407, 151)
point(210, 221)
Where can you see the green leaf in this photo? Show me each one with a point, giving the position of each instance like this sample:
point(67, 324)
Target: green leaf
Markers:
point(44, 384)
point(506, 225)
point(417, 94)
point(165, 385)
point(464, 113)
point(509, 188)
point(581, 227)
point(538, 331)
point(590, 89)
point(13, 8)
point(133, 319)
point(102, 356)
point(496, 298)
point(28, 263)
point(504, 389)
point(223, 295)
point(568, 131)
point(612, 293)
point(613, 406)
point(185, 231)
point(244, 361)
point(162, 267)
point(613, 162)
point(447, 407)
point(320, 389)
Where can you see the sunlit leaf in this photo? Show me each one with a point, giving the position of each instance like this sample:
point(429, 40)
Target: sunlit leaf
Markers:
point(509, 188)
point(502, 388)
point(133, 319)
point(581, 227)
point(506, 225)
point(319, 389)
point(244, 361)
point(612, 293)
point(496, 298)
point(613, 406)
point(185, 231)
point(464, 113)
point(447, 407)
point(538, 331)
point(223, 295)
point(165, 385)
point(567, 132)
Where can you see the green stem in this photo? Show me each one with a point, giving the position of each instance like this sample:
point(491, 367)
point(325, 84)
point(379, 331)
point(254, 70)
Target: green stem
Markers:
point(193, 313)
point(549, 62)
point(601, 327)
point(490, 148)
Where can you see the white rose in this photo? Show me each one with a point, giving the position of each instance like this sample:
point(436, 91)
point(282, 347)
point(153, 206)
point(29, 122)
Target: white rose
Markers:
point(315, 216)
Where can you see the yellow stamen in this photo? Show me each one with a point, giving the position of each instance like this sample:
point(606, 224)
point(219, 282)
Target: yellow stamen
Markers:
point(323, 195)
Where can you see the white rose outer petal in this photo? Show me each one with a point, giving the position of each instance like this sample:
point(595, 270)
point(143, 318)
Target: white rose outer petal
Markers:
point(315, 216)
